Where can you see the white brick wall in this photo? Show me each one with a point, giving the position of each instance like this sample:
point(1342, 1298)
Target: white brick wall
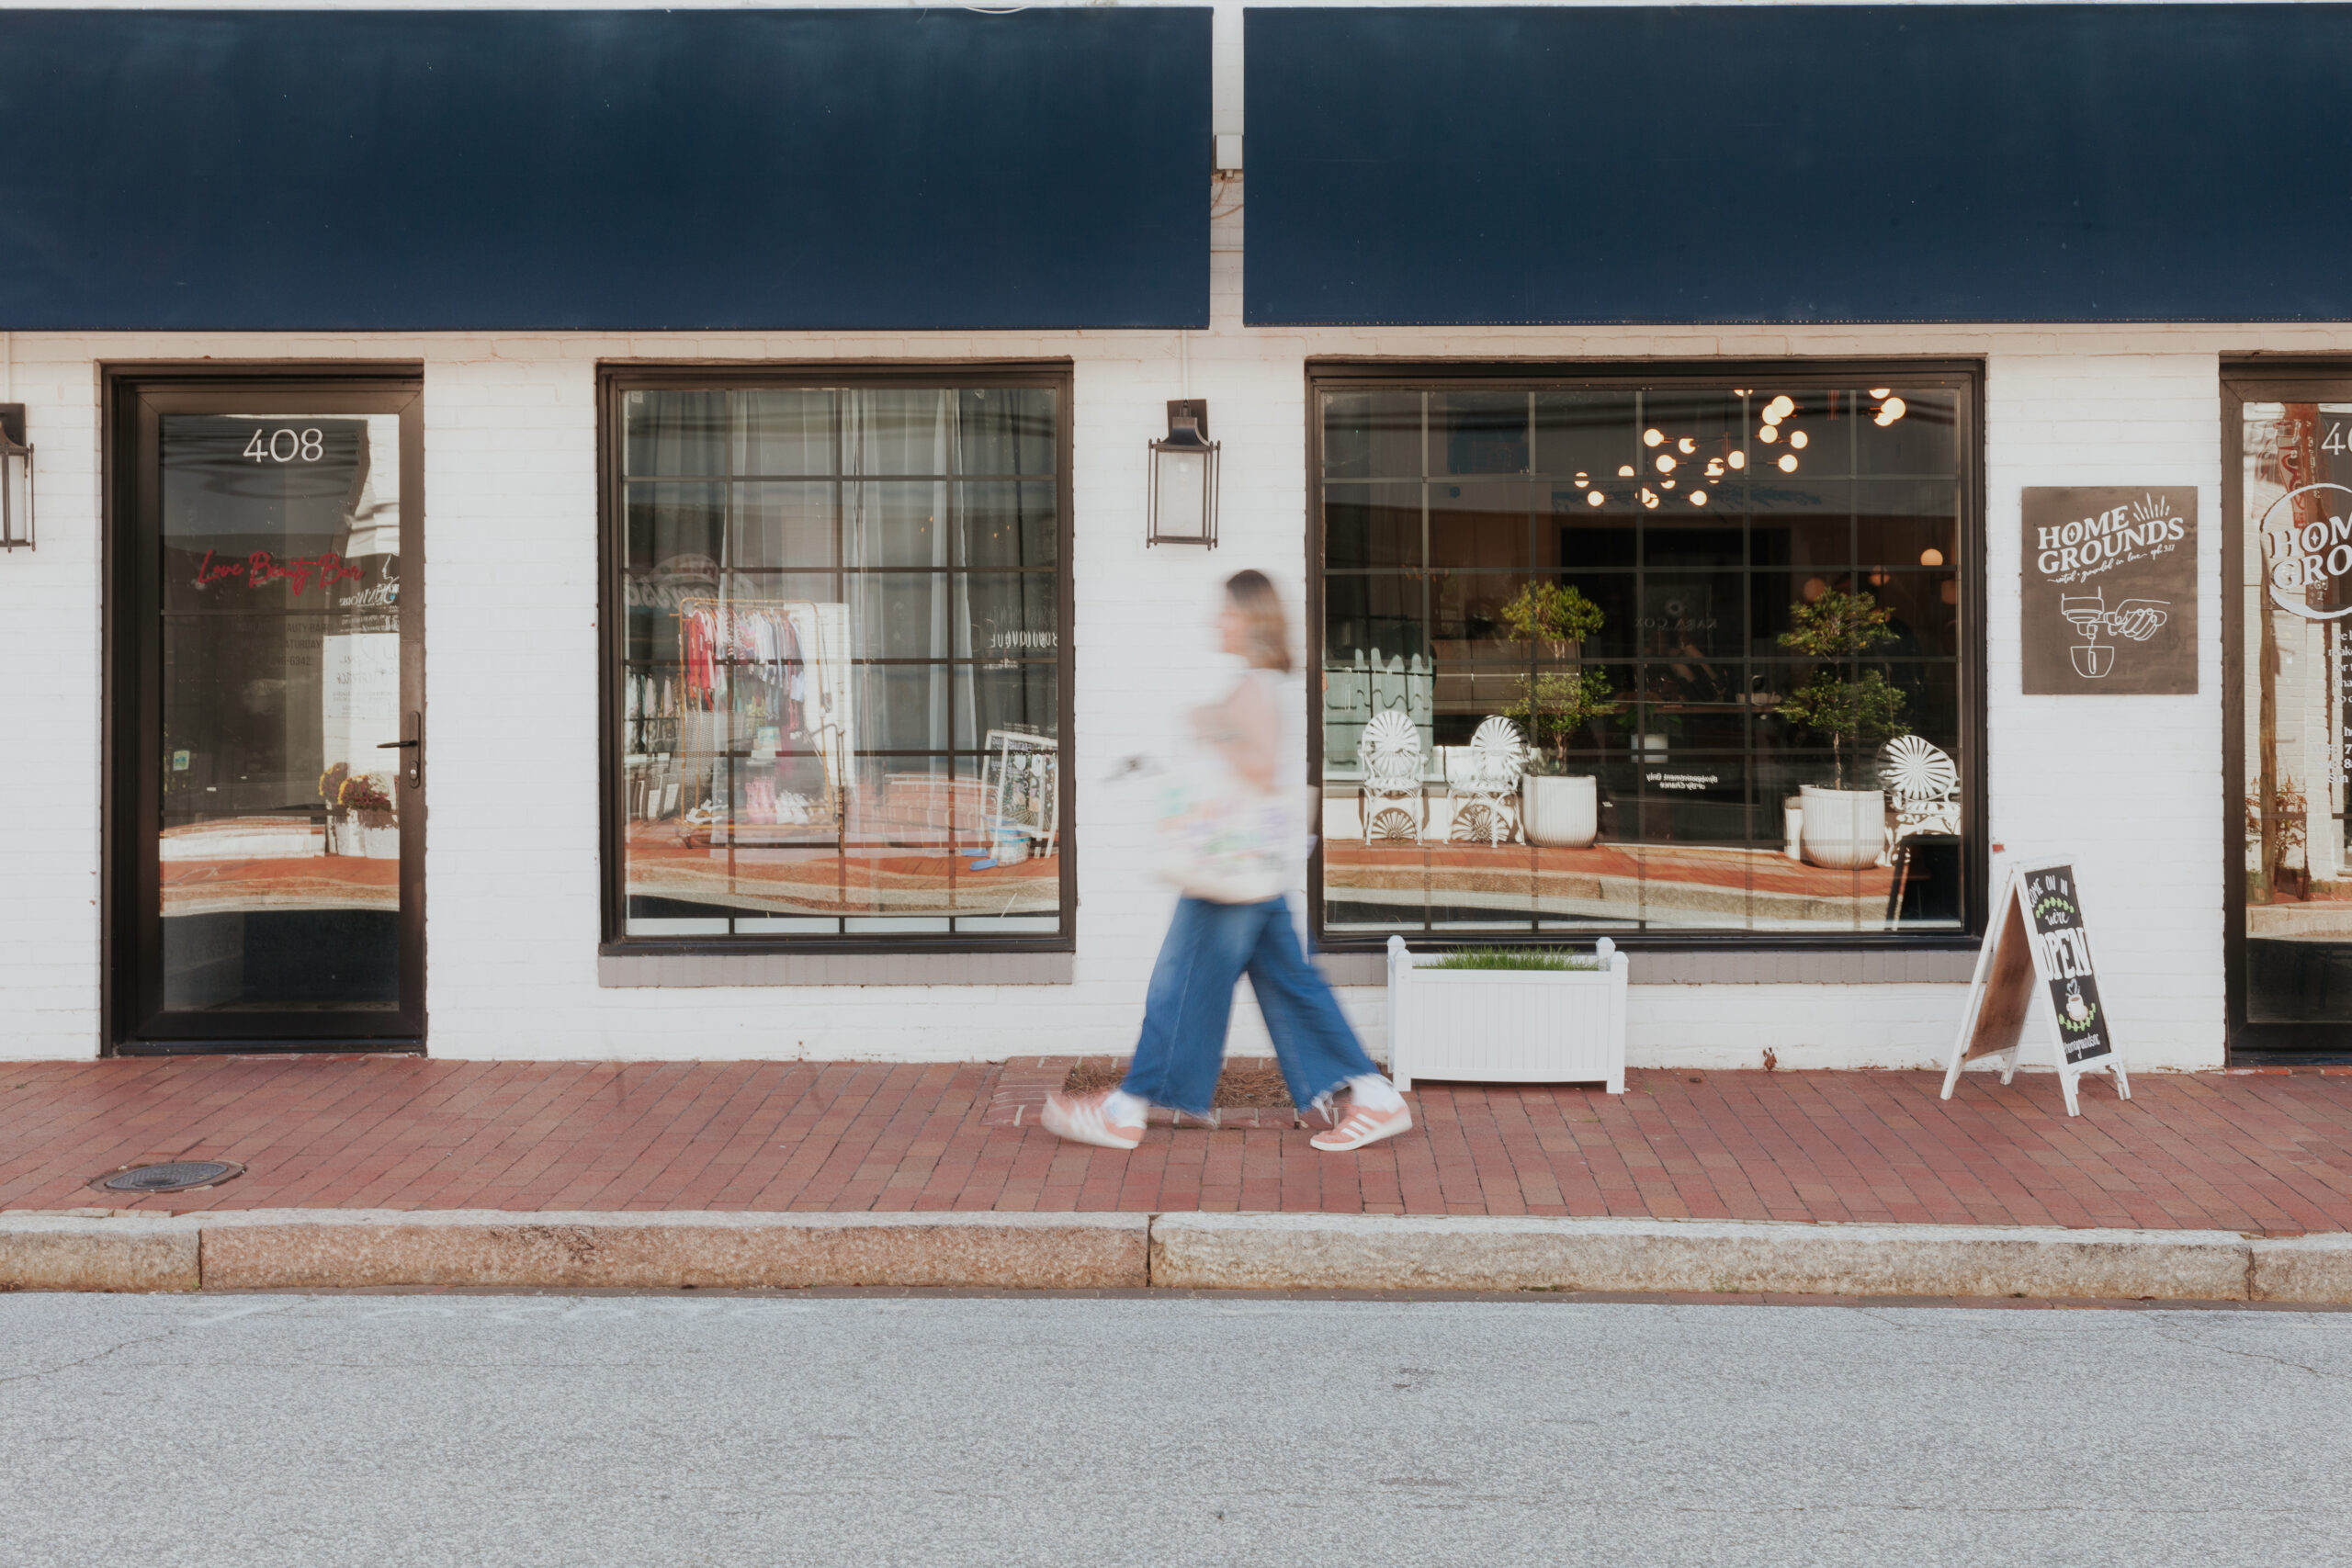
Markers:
point(50, 677)
point(2130, 787)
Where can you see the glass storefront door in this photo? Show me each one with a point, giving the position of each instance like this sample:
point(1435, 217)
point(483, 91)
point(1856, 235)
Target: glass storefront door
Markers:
point(2289, 648)
point(269, 721)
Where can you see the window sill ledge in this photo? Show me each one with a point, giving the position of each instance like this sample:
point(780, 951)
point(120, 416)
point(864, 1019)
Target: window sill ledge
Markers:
point(1894, 966)
point(688, 970)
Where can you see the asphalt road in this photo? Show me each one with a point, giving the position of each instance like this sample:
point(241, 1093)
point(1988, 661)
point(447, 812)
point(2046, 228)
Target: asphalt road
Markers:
point(245, 1432)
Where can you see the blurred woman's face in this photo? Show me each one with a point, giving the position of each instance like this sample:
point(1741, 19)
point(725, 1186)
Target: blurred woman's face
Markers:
point(1232, 631)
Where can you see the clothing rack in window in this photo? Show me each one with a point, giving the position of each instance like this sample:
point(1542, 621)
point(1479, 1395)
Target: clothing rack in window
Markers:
point(778, 669)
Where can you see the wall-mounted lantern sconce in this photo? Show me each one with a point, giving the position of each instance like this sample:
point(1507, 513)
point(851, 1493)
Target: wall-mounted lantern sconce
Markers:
point(1183, 479)
point(15, 481)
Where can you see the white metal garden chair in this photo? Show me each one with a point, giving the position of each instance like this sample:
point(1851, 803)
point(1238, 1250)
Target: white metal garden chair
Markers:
point(1921, 785)
point(1482, 783)
point(1390, 755)
point(1923, 797)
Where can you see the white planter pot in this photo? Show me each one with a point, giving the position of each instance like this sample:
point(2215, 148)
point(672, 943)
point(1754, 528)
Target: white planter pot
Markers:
point(1506, 1025)
point(360, 841)
point(1563, 812)
point(1844, 829)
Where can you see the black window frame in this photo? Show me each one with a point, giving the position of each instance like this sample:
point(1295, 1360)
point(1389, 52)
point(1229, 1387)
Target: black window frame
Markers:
point(1326, 375)
point(614, 380)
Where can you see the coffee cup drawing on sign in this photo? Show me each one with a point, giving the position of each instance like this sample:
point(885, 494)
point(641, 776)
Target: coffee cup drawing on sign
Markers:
point(2088, 613)
point(2134, 620)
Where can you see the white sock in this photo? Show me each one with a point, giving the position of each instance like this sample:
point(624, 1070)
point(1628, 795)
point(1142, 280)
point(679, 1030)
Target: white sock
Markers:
point(1124, 1110)
point(1375, 1094)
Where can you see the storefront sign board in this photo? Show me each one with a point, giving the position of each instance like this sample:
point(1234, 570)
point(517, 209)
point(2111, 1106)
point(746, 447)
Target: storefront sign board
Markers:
point(2109, 590)
point(2038, 948)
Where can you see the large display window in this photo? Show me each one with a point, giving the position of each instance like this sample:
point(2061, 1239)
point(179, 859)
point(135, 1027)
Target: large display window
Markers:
point(1659, 651)
point(836, 703)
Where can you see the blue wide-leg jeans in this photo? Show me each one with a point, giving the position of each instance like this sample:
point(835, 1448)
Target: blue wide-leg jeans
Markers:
point(1209, 947)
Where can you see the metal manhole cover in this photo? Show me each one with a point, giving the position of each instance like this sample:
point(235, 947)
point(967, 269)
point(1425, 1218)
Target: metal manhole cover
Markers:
point(178, 1175)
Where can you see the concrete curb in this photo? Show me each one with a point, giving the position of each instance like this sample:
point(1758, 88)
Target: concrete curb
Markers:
point(1491, 1253)
point(67, 1253)
point(334, 1248)
point(2302, 1268)
point(276, 1249)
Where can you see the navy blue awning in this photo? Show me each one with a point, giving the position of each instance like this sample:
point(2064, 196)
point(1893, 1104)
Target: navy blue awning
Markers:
point(878, 169)
point(2019, 163)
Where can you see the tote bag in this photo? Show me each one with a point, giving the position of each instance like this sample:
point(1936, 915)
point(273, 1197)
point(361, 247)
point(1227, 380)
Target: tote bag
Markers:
point(1223, 840)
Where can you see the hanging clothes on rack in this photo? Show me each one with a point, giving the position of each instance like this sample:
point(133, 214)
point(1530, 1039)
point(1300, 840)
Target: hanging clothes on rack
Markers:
point(722, 644)
point(776, 709)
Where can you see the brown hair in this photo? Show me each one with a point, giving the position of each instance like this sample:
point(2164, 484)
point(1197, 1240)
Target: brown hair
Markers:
point(1252, 594)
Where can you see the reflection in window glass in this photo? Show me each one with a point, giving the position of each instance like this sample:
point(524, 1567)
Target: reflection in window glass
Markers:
point(279, 844)
point(2296, 666)
point(841, 676)
point(1672, 658)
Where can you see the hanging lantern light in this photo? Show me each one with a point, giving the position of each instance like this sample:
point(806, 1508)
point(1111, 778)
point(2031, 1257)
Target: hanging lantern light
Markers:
point(1183, 508)
point(15, 481)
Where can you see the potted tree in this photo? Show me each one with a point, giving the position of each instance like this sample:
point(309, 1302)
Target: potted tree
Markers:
point(360, 821)
point(1842, 828)
point(1556, 807)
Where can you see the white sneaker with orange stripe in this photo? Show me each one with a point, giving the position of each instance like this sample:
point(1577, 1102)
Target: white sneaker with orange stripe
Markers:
point(1361, 1126)
point(1079, 1119)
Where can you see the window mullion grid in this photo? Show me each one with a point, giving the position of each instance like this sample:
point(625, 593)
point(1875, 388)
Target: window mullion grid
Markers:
point(1754, 663)
point(1756, 816)
point(1527, 504)
point(838, 418)
point(1856, 583)
point(742, 579)
point(945, 552)
point(1428, 643)
point(1641, 717)
point(729, 527)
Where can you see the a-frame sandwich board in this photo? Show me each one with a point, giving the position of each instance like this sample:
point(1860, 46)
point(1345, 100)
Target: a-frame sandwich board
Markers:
point(2037, 958)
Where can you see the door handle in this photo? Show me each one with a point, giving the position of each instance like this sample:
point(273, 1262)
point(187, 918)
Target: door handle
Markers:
point(415, 744)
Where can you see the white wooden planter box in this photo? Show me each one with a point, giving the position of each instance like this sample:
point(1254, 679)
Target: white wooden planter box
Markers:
point(1506, 1025)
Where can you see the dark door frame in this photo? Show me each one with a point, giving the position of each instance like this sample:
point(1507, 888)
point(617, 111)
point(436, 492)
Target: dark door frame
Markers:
point(2272, 379)
point(134, 399)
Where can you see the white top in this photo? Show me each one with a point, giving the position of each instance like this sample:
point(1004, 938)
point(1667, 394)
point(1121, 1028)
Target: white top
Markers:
point(1288, 694)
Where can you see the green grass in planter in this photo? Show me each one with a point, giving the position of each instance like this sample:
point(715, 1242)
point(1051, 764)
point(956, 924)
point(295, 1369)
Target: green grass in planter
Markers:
point(1515, 958)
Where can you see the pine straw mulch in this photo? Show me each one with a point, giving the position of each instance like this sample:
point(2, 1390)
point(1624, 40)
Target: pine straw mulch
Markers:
point(1244, 1085)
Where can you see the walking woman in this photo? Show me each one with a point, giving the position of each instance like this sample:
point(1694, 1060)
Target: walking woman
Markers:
point(1211, 945)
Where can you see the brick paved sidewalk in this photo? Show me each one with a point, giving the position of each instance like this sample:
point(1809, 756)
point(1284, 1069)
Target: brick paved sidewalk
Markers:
point(2232, 1151)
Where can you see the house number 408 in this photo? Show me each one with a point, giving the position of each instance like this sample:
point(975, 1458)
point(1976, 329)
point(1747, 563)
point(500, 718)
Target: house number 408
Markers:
point(286, 446)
